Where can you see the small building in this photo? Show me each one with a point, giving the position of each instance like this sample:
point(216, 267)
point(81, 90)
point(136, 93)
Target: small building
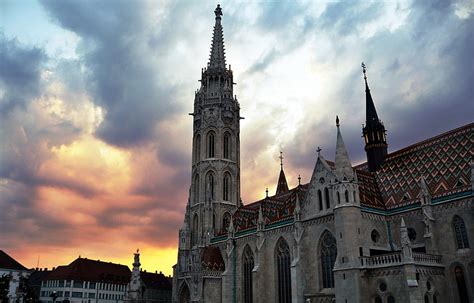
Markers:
point(16, 273)
point(86, 281)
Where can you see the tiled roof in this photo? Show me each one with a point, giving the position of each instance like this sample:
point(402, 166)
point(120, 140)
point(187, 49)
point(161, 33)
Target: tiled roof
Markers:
point(211, 259)
point(444, 161)
point(274, 209)
point(83, 269)
point(155, 280)
point(8, 262)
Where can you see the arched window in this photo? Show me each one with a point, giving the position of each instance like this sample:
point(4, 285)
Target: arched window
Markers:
point(354, 196)
point(184, 296)
point(338, 198)
point(326, 197)
point(210, 186)
point(196, 189)
point(320, 200)
point(247, 267)
point(460, 232)
point(210, 145)
point(197, 148)
point(226, 221)
point(227, 145)
point(390, 299)
point(214, 221)
point(328, 252)
point(226, 187)
point(461, 282)
point(194, 232)
point(346, 196)
point(282, 255)
point(435, 298)
point(427, 298)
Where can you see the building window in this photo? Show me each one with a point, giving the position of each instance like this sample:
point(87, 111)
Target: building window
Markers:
point(346, 195)
point(326, 197)
point(227, 146)
point(76, 294)
point(338, 198)
point(210, 145)
point(411, 234)
point(460, 233)
point(66, 294)
point(248, 264)
point(320, 200)
point(226, 221)
point(196, 189)
point(197, 148)
point(194, 233)
point(226, 187)
point(283, 270)
point(210, 186)
point(390, 299)
point(461, 282)
point(78, 284)
point(328, 252)
point(375, 236)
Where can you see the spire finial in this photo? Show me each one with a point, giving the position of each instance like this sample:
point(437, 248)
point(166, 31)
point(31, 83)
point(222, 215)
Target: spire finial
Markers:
point(337, 121)
point(281, 160)
point(266, 192)
point(299, 180)
point(318, 150)
point(218, 11)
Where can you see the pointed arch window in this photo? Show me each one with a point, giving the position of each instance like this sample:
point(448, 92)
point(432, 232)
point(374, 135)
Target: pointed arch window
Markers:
point(282, 255)
point(196, 189)
point(354, 196)
point(461, 283)
point(226, 221)
point(338, 198)
point(226, 190)
point(247, 267)
point(346, 196)
point(197, 148)
point(194, 232)
point(326, 197)
point(210, 145)
point(227, 145)
point(320, 200)
point(328, 252)
point(210, 186)
point(460, 233)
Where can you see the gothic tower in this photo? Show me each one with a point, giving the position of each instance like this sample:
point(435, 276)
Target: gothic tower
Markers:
point(215, 186)
point(374, 131)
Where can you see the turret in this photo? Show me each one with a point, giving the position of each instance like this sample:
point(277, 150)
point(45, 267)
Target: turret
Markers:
point(282, 186)
point(374, 132)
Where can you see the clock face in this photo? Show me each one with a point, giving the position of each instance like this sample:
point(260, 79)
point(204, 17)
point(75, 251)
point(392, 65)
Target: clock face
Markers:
point(321, 180)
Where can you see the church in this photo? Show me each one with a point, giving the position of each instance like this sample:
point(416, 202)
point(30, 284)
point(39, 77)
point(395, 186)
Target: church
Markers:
point(397, 228)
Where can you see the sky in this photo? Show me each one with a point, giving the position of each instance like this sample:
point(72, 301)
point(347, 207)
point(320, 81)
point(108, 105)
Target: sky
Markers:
point(95, 157)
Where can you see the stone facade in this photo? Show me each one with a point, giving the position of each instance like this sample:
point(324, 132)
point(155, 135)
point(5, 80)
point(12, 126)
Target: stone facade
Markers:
point(395, 229)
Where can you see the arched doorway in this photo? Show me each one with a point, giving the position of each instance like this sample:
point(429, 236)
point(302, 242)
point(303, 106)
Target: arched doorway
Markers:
point(184, 295)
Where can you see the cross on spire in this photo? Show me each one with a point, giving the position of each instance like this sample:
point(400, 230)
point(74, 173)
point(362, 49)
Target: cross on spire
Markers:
point(319, 150)
point(281, 159)
point(299, 180)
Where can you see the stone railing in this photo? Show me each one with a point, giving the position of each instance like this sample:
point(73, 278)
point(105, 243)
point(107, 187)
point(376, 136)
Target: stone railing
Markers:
point(390, 259)
point(395, 259)
point(427, 259)
point(319, 298)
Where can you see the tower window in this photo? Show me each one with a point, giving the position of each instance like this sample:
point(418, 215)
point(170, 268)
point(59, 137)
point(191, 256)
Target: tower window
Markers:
point(210, 145)
point(226, 187)
point(338, 197)
point(460, 233)
point(227, 145)
point(226, 221)
point(282, 255)
point(196, 189)
point(346, 196)
point(210, 186)
point(197, 148)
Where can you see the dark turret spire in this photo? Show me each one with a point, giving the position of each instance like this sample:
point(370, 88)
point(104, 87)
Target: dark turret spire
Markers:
point(282, 184)
point(217, 57)
point(373, 131)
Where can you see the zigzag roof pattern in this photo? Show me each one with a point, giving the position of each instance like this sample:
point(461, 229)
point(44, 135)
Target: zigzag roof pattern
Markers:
point(444, 161)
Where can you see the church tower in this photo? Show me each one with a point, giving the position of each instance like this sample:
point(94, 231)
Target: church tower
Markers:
point(215, 186)
point(374, 131)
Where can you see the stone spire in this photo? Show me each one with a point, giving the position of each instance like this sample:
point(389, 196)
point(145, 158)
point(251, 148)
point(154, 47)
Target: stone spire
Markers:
point(373, 131)
point(405, 241)
point(217, 57)
point(135, 286)
point(342, 162)
point(282, 184)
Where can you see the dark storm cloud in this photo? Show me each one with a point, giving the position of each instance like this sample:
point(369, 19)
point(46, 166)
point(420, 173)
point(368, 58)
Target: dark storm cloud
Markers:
point(19, 74)
point(122, 65)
